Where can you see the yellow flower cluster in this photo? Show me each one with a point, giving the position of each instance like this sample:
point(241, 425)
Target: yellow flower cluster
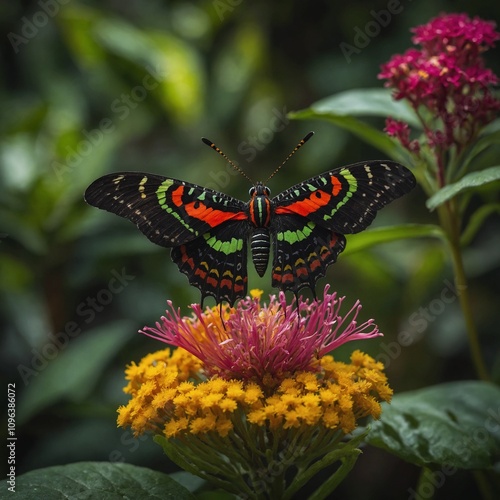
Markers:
point(170, 397)
point(334, 398)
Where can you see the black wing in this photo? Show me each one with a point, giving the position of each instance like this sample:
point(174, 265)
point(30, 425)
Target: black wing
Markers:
point(346, 199)
point(216, 263)
point(311, 217)
point(302, 252)
point(168, 211)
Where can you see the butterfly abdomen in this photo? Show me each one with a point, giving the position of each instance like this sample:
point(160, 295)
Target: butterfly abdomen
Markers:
point(260, 245)
point(259, 215)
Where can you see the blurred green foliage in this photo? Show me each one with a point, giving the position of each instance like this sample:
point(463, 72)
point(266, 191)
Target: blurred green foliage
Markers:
point(94, 87)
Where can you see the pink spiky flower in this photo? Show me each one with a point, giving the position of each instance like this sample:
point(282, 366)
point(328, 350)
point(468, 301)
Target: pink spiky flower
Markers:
point(263, 342)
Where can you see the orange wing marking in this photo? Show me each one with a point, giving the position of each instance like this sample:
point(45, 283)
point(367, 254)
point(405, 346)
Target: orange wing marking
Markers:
point(307, 205)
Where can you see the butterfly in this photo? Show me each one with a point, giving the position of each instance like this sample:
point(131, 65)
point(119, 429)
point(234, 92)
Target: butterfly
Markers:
point(210, 233)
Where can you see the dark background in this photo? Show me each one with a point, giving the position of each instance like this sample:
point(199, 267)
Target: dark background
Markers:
point(76, 103)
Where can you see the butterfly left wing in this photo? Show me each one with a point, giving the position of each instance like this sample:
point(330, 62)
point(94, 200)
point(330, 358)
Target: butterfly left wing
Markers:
point(206, 230)
point(216, 263)
point(168, 211)
point(311, 217)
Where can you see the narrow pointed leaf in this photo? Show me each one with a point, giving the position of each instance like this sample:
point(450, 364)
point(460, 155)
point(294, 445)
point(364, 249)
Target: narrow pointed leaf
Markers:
point(73, 369)
point(343, 108)
point(476, 221)
point(366, 102)
point(468, 182)
point(372, 237)
point(367, 133)
point(483, 143)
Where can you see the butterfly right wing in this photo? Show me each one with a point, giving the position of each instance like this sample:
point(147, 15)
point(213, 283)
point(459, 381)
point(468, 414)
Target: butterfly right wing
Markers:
point(302, 252)
point(312, 217)
point(168, 211)
point(347, 199)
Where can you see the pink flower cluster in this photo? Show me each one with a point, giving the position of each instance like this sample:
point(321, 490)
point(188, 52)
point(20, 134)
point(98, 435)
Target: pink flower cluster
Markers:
point(256, 341)
point(445, 82)
point(467, 36)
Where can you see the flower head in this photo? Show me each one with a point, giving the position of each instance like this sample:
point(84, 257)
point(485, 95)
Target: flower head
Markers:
point(254, 390)
point(171, 397)
point(401, 131)
point(232, 429)
point(446, 81)
point(456, 33)
point(263, 342)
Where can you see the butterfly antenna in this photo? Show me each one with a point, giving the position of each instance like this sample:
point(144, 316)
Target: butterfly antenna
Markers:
point(297, 147)
point(218, 150)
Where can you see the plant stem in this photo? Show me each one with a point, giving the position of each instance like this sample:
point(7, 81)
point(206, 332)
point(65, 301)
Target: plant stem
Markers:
point(326, 489)
point(451, 224)
point(424, 479)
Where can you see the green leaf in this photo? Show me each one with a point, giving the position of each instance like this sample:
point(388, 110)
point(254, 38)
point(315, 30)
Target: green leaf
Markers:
point(476, 221)
point(468, 182)
point(455, 424)
point(235, 66)
point(367, 133)
point(484, 142)
point(191, 482)
point(366, 102)
point(215, 495)
point(173, 73)
point(66, 368)
point(342, 108)
point(490, 128)
point(372, 237)
point(103, 480)
point(75, 22)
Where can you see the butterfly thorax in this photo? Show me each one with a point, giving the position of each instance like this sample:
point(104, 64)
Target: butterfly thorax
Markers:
point(260, 210)
point(260, 206)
